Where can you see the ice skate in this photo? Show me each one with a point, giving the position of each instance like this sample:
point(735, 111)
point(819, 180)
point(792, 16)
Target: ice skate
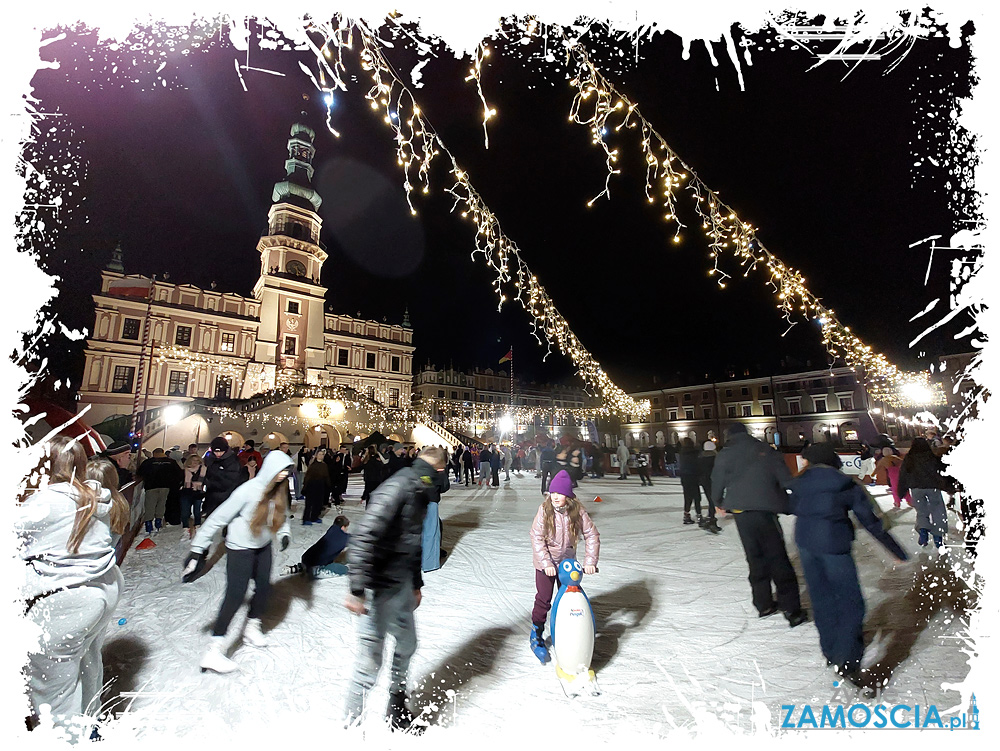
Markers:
point(215, 658)
point(294, 568)
point(688, 519)
point(538, 643)
point(401, 718)
point(253, 635)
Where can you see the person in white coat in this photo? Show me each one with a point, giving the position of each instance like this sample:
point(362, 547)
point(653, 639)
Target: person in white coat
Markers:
point(254, 514)
point(71, 587)
point(622, 453)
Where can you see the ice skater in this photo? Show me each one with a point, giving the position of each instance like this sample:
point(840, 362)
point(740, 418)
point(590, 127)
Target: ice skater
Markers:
point(559, 523)
point(71, 584)
point(255, 513)
point(821, 498)
point(384, 559)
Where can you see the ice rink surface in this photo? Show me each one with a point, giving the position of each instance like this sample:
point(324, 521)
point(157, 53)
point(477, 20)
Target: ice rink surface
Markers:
point(679, 646)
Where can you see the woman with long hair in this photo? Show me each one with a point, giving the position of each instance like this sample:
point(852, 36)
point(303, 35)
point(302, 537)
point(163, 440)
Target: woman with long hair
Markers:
point(316, 487)
point(71, 584)
point(255, 513)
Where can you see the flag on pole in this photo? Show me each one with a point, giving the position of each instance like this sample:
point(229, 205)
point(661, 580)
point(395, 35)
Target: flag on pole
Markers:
point(508, 356)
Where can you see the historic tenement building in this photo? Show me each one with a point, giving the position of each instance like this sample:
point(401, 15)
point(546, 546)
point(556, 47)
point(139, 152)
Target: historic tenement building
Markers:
point(156, 343)
point(473, 402)
point(783, 410)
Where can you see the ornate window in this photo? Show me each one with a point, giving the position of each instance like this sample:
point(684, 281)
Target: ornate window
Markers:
point(343, 356)
point(183, 336)
point(123, 379)
point(130, 329)
point(178, 383)
point(227, 343)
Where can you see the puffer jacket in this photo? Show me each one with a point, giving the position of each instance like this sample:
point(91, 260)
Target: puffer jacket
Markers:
point(386, 548)
point(821, 498)
point(550, 551)
point(239, 509)
point(750, 476)
point(222, 477)
point(687, 461)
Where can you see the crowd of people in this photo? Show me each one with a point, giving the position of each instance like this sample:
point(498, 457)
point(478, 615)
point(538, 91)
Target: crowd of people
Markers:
point(243, 501)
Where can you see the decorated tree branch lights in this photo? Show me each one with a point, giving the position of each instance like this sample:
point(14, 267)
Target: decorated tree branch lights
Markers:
point(600, 106)
point(416, 146)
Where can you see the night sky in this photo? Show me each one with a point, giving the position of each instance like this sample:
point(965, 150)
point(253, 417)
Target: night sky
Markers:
point(830, 169)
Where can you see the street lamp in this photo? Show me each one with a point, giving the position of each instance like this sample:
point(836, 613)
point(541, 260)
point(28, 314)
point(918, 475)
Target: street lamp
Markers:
point(171, 416)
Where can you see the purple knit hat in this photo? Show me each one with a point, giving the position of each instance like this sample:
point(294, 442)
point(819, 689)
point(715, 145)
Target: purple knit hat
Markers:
point(562, 483)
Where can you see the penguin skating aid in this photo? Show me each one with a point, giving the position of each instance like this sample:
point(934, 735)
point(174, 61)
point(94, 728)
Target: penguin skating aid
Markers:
point(573, 621)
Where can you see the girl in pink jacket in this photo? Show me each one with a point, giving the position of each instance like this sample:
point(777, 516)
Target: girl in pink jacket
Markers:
point(559, 523)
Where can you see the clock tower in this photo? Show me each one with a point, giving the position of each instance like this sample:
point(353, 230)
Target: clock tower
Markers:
point(289, 345)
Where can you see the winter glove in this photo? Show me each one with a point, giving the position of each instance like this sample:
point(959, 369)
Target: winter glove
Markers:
point(284, 540)
point(193, 565)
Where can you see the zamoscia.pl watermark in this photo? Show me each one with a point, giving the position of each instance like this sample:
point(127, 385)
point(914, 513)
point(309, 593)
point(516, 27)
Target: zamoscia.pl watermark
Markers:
point(901, 716)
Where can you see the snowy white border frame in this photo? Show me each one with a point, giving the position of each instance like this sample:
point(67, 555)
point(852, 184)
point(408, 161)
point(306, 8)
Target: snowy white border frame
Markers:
point(31, 287)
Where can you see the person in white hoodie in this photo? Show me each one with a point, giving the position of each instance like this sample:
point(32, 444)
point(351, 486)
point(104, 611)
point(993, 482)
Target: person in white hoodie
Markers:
point(254, 514)
point(71, 587)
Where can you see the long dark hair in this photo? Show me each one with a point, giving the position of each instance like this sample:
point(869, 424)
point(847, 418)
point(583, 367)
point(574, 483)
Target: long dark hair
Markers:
point(918, 449)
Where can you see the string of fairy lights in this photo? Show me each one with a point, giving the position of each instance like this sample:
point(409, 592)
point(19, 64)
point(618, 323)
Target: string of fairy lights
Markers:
point(600, 106)
point(417, 144)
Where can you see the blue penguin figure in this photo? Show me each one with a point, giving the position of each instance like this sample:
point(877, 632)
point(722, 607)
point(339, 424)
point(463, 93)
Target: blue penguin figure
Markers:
point(573, 630)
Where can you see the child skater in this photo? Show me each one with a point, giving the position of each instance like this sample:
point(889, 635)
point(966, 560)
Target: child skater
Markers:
point(255, 512)
point(559, 523)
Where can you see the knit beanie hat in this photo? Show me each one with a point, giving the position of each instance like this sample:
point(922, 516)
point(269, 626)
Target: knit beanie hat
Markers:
point(219, 444)
point(708, 446)
point(735, 429)
point(562, 484)
point(822, 453)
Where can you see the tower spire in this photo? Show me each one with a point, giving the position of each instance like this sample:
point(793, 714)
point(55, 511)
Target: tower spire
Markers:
point(406, 318)
point(297, 187)
point(115, 264)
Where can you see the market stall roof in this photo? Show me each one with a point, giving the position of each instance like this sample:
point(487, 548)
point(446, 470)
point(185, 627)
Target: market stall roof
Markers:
point(45, 419)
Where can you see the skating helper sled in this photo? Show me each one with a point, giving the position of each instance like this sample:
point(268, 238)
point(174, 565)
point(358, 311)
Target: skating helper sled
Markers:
point(573, 629)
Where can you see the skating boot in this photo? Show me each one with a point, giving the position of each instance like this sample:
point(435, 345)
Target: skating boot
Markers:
point(701, 520)
point(295, 568)
point(215, 658)
point(922, 538)
point(688, 519)
point(713, 526)
point(538, 642)
point(401, 718)
point(253, 635)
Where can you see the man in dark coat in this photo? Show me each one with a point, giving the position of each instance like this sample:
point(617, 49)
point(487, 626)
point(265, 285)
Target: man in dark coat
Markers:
point(496, 461)
point(222, 475)
point(159, 475)
point(120, 454)
point(384, 559)
point(547, 465)
point(749, 480)
point(397, 459)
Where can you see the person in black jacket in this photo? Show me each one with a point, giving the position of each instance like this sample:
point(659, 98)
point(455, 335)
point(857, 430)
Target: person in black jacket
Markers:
point(687, 468)
point(384, 560)
point(749, 480)
point(159, 475)
point(547, 465)
point(821, 498)
point(922, 475)
point(222, 475)
point(372, 469)
point(469, 466)
point(706, 463)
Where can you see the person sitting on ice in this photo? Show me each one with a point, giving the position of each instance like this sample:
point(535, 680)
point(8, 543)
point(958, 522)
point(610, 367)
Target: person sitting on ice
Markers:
point(319, 561)
point(561, 520)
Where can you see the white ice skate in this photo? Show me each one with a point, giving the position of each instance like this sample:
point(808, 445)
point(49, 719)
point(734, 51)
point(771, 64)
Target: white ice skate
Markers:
point(215, 658)
point(253, 635)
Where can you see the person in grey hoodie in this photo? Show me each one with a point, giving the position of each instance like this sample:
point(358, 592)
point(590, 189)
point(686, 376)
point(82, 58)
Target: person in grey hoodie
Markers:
point(71, 585)
point(255, 513)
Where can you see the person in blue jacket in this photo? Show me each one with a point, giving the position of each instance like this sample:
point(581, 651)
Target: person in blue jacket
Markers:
point(821, 498)
point(319, 560)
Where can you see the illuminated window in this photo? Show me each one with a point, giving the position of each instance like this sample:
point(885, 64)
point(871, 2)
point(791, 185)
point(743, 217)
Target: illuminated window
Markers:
point(227, 343)
point(394, 398)
point(223, 387)
point(123, 379)
point(289, 345)
point(178, 383)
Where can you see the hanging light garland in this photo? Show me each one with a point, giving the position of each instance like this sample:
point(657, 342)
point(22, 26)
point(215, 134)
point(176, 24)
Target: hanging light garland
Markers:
point(601, 107)
point(417, 144)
